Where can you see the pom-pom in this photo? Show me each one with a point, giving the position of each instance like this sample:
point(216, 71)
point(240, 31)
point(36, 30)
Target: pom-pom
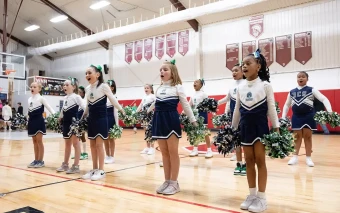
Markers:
point(279, 145)
point(221, 120)
point(148, 133)
point(195, 135)
point(53, 123)
point(324, 117)
point(143, 117)
point(207, 105)
point(115, 132)
point(227, 140)
point(130, 117)
point(19, 121)
point(278, 110)
point(78, 127)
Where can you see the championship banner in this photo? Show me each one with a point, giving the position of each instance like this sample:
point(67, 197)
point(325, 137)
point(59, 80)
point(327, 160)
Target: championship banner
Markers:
point(51, 86)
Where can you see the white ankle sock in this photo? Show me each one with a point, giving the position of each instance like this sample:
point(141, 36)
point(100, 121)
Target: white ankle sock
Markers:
point(252, 191)
point(261, 195)
point(195, 148)
point(209, 149)
point(173, 181)
point(84, 147)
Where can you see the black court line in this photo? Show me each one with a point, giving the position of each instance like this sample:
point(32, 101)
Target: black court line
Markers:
point(69, 180)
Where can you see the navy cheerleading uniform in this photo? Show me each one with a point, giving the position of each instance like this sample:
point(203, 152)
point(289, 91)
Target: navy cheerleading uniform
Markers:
point(36, 121)
point(72, 103)
point(196, 99)
point(97, 110)
point(165, 121)
point(231, 98)
point(254, 101)
point(112, 115)
point(301, 99)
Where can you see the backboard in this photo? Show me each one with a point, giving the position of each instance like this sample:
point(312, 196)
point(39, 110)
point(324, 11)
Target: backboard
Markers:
point(12, 66)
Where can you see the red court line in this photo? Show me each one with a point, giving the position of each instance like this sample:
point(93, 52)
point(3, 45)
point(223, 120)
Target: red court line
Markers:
point(127, 190)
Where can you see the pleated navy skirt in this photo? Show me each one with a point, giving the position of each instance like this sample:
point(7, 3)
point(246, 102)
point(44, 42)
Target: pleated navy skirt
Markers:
point(36, 124)
point(300, 121)
point(110, 118)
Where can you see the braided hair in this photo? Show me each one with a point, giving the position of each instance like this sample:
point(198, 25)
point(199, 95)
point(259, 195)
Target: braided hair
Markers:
point(264, 70)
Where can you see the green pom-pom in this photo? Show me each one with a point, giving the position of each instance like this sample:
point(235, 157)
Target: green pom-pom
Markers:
point(221, 120)
point(130, 117)
point(324, 117)
point(53, 123)
point(115, 132)
point(195, 135)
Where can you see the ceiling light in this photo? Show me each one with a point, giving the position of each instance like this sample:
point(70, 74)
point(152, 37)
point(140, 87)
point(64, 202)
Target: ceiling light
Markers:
point(99, 5)
point(58, 18)
point(32, 27)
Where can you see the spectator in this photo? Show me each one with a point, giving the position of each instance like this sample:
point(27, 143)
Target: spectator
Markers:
point(20, 109)
point(7, 115)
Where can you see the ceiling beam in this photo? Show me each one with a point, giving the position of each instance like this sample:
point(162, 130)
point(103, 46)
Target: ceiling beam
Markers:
point(24, 44)
point(104, 44)
point(178, 5)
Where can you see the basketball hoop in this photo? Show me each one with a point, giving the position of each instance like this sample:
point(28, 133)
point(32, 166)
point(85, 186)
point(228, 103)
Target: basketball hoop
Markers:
point(9, 71)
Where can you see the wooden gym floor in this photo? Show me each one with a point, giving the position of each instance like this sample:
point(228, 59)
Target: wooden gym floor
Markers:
point(206, 185)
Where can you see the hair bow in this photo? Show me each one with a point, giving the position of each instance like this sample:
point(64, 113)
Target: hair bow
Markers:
point(97, 67)
point(173, 61)
point(110, 82)
point(202, 81)
point(81, 87)
point(73, 80)
point(257, 53)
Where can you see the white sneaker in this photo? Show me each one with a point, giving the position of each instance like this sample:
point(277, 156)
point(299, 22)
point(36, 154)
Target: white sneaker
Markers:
point(194, 153)
point(233, 158)
point(209, 154)
point(294, 160)
point(249, 200)
point(107, 159)
point(135, 130)
point(309, 162)
point(161, 164)
point(151, 151)
point(111, 160)
point(258, 205)
point(89, 174)
point(99, 174)
point(145, 151)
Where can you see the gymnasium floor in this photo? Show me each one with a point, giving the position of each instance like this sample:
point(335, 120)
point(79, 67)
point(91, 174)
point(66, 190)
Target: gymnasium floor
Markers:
point(206, 185)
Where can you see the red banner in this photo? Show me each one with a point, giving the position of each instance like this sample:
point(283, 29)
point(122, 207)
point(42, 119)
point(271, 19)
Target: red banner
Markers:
point(183, 42)
point(256, 25)
point(283, 46)
point(248, 47)
point(303, 47)
point(148, 48)
point(171, 44)
point(232, 55)
point(159, 46)
point(138, 50)
point(267, 49)
point(128, 52)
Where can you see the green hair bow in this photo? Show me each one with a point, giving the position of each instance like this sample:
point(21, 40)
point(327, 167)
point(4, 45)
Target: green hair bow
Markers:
point(97, 67)
point(110, 82)
point(202, 81)
point(173, 61)
point(73, 81)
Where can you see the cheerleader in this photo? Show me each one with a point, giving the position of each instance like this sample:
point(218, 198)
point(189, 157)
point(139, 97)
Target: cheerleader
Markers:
point(148, 98)
point(301, 99)
point(230, 99)
point(112, 119)
point(72, 102)
point(7, 116)
point(83, 155)
point(254, 102)
point(96, 94)
point(166, 127)
point(36, 123)
point(197, 98)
